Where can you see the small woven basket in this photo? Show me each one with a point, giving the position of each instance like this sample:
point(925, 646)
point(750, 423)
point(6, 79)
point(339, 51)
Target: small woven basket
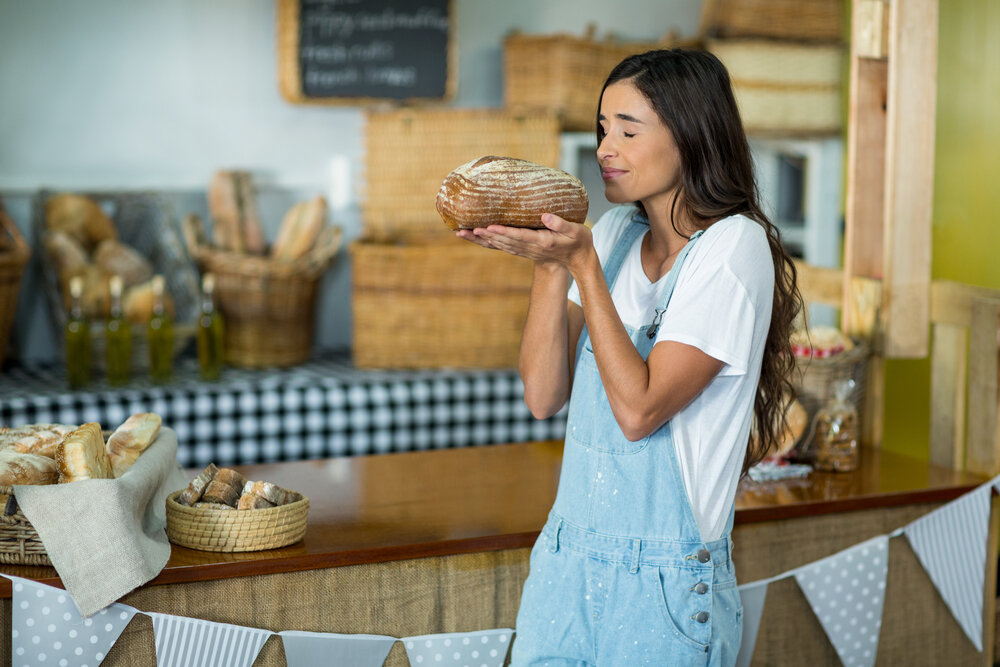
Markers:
point(236, 530)
point(438, 305)
point(14, 254)
point(19, 541)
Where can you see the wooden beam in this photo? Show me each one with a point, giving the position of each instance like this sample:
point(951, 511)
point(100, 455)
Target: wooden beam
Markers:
point(870, 28)
point(949, 368)
point(951, 302)
point(909, 176)
point(983, 455)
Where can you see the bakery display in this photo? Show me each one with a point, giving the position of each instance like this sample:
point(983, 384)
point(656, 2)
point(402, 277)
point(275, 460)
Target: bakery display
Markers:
point(495, 190)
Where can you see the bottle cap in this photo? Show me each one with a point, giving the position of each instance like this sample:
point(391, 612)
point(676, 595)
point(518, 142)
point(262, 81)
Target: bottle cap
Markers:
point(76, 287)
point(157, 284)
point(115, 286)
point(208, 282)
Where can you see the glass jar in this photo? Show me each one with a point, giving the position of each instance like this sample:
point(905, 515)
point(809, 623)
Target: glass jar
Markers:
point(836, 441)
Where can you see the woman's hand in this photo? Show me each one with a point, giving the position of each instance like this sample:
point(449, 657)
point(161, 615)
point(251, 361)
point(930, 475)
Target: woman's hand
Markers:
point(560, 242)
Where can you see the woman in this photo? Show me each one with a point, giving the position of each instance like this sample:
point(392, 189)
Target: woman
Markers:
point(674, 341)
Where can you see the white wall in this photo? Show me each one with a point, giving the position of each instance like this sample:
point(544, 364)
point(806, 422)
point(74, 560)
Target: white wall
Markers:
point(112, 94)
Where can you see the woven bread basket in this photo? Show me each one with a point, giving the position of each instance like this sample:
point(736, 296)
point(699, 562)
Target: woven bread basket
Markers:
point(236, 530)
point(800, 20)
point(19, 541)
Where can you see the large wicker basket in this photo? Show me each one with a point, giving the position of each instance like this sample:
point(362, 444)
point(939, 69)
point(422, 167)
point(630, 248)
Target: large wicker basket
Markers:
point(236, 530)
point(409, 152)
point(563, 74)
point(785, 88)
point(14, 254)
point(802, 20)
point(19, 541)
point(268, 306)
point(146, 222)
point(443, 305)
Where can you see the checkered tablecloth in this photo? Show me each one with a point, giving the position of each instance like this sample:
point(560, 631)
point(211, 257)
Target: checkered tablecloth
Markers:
point(320, 409)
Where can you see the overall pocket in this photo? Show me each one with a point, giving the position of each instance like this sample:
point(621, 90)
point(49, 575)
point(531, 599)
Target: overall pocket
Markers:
point(673, 589)
point(590, 420)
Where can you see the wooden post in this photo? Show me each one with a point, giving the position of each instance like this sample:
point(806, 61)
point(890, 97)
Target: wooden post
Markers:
point(983, 455)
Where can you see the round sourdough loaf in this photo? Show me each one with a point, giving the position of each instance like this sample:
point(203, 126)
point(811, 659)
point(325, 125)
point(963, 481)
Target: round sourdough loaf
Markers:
point(508, 191)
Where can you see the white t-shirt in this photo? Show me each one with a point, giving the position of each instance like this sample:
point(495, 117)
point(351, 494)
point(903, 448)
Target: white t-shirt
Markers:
point(721, 305)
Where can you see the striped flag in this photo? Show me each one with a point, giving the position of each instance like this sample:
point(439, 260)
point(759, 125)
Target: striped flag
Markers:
point(951, 545)
point(191, 642)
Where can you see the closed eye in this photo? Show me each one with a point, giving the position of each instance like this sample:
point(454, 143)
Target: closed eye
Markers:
point(627, 135)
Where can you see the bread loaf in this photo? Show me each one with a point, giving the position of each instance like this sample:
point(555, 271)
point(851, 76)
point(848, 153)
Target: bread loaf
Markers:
point(81, 455)
point(80, 217)
point(220, 492)
point(138, 303)
point(41, 439)
point(117, 258)
point(507, 191)
point(131, 439)
point(299, 229)
point(234, 212)
point(23, 468)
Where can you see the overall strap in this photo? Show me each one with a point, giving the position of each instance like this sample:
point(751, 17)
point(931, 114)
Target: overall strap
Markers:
point(613, 266)
point(672, 276)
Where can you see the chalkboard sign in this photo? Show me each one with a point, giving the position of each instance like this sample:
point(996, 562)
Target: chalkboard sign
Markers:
point(356, 51)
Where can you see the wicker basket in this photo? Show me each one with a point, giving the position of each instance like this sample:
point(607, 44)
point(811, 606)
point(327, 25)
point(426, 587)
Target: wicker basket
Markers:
point(409, 152)
point(14, 254)
point(441, 305)
point(268, 306)
point(145, 222)
point(784, 88)
point(806, 20)
point(814, 378)
point(19, 541)
point(236, 530)
point(563, 74)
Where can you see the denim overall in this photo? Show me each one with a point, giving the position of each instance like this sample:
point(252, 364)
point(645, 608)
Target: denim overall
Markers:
point(620, 574)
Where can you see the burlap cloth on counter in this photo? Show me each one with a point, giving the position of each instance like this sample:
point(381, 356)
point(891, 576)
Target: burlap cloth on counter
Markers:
point(106, 537)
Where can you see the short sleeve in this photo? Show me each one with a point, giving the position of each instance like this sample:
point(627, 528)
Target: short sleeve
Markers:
point(722, 301)
point(714, 313)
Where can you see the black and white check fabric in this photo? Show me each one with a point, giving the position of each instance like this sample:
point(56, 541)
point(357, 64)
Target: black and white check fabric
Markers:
point(321, 409)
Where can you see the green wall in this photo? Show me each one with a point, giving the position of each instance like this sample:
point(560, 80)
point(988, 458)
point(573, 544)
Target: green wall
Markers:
point(966, 221)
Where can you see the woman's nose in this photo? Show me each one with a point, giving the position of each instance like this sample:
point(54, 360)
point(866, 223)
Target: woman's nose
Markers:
point(606, 148)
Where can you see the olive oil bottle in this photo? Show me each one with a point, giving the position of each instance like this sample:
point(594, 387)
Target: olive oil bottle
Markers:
point(77, 338)
point(210, 332)
point(160, 336)
point(117, 338)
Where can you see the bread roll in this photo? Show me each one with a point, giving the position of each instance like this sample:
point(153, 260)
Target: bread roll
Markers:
point(271, 492)
point(299, 229)
point(81, 455)
point(234, 212)
point(131, 439)
point(80, 217)
point(192, 493)
point(138, 303)
point(220, 492)
point(65, 252)
point(507, 191)
point(117, 258)
point(251, 501)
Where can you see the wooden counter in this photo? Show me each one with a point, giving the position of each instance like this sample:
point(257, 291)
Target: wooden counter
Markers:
point(455, 506)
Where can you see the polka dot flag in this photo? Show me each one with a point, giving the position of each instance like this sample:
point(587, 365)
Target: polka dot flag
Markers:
point(486, 648)
point(47, 629)
point(847, 591)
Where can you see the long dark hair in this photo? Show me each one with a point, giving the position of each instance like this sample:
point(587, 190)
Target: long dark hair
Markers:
point(692, 94)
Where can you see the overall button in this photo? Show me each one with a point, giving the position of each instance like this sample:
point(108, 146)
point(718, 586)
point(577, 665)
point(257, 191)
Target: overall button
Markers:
point(701, 617)
point(704, 556)
point(701, 588)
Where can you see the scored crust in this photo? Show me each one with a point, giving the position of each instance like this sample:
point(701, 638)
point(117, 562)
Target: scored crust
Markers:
point(24, 468)
point(507, 191)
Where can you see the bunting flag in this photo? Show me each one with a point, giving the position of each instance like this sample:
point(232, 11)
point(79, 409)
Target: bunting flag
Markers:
point(191, 642)
point(47, 628)
point(847, 591)
point(309, 649)
point(951, 545)
point(752, 595)
point(458, 649)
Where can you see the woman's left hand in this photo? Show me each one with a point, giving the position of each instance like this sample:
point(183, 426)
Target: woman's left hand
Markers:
point(563, 242)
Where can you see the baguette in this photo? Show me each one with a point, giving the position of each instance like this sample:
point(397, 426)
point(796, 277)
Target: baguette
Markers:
point(299, 229)
point(131, 439)
point(24, 468)
point(117, 258)
point(81, 455)
point(507, 191)
point(234, 212)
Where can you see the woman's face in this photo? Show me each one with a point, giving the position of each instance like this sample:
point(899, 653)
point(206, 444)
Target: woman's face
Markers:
point(639, 159)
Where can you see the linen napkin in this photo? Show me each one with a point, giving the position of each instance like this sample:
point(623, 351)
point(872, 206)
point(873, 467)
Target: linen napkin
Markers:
point(106, 537)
